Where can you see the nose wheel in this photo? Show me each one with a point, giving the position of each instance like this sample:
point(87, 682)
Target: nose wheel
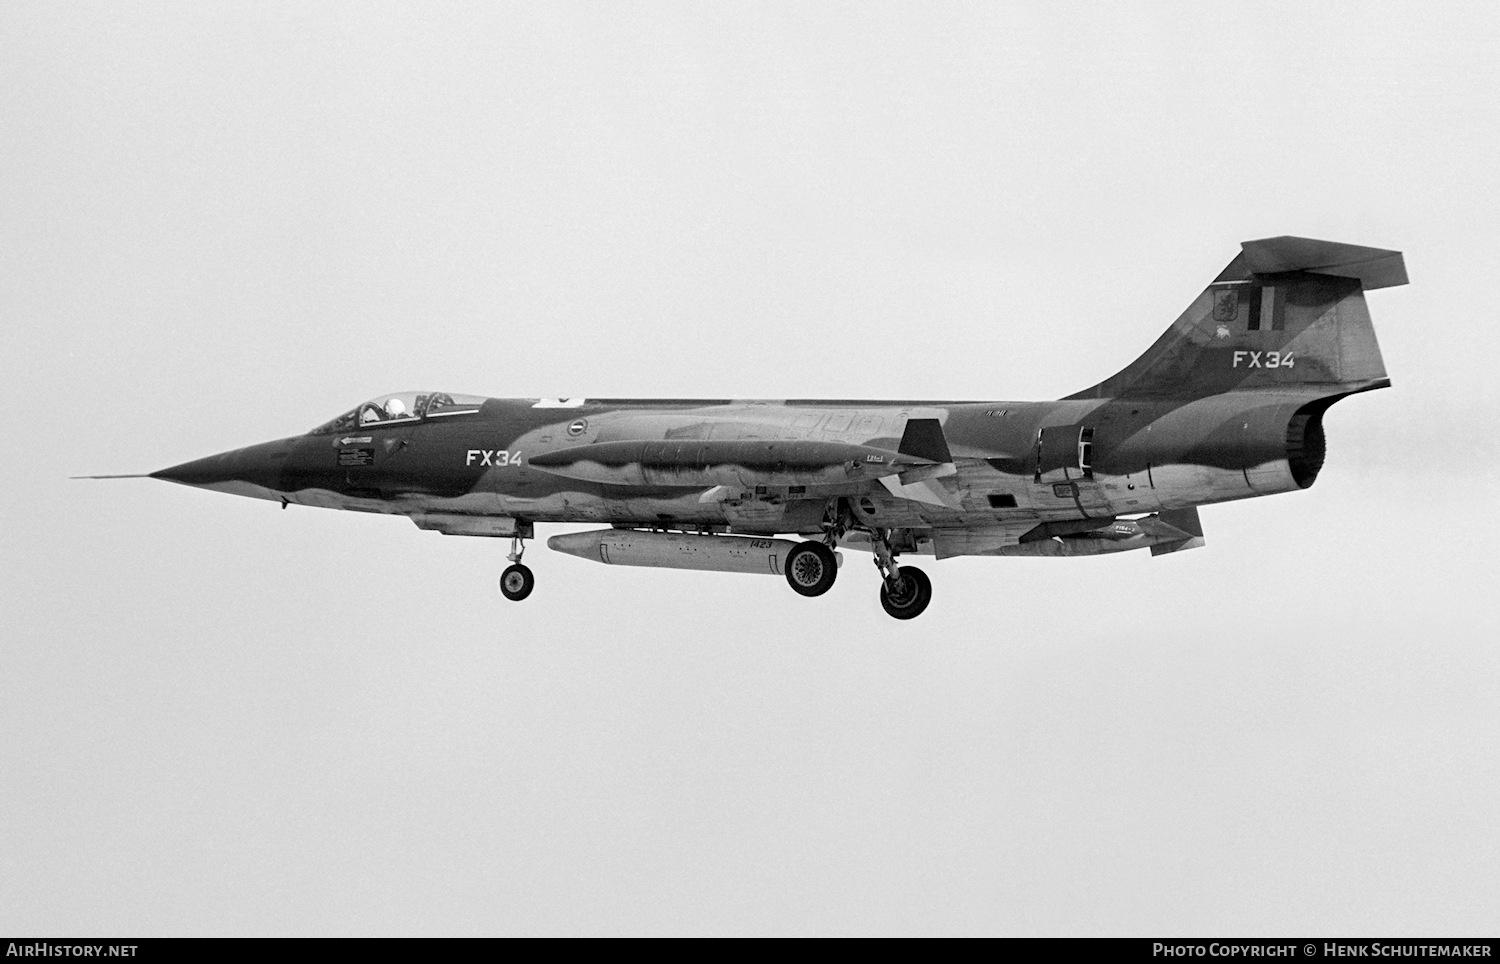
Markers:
point(517, 581)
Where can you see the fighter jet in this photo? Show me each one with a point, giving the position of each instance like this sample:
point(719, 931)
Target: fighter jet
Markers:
point(1227, 404)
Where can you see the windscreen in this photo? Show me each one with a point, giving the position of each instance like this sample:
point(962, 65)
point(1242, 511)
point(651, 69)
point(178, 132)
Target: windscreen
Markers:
point(401, 407)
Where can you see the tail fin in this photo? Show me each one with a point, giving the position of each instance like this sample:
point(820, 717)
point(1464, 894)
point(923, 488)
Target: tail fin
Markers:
point(1287, 312)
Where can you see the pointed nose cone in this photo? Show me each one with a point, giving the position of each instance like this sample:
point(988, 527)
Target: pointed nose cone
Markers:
point(240, 471)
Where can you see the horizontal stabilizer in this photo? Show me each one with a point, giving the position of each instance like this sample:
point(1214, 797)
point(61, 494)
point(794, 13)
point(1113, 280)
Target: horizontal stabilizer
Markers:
point(1374, 267)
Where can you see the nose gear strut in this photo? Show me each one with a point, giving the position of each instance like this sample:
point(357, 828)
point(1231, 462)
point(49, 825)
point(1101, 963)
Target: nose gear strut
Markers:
point(517, 581)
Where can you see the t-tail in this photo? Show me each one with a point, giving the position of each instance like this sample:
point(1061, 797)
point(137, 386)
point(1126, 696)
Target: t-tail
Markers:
point(1287, 314)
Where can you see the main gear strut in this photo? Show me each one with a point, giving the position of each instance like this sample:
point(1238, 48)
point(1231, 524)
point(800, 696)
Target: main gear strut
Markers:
point(904, 590)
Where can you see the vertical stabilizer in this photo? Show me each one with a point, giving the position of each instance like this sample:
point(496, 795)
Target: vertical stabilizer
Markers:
point(1286, 313)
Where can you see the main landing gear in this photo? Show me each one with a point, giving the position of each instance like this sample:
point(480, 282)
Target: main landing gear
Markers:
point(905, 591)
point(811, 568)
point(516, 582)
point(908, 594)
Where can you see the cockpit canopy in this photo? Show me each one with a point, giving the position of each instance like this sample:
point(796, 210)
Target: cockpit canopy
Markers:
point(401, 407)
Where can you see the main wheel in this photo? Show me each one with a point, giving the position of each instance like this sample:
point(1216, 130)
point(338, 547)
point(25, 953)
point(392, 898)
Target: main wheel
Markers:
point(912, 594)
point(811, 568)
point(516, 582)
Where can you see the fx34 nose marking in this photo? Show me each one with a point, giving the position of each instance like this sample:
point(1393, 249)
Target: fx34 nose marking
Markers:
point(493, 457)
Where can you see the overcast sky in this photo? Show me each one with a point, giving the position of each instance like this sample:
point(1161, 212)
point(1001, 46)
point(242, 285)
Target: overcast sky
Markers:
point(226, 223)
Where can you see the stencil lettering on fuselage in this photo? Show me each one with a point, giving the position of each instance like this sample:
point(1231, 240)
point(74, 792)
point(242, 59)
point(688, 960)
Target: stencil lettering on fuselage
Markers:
point(492, 457)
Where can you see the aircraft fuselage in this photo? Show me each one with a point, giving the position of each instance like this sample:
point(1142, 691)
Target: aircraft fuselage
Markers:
point(1228, 404)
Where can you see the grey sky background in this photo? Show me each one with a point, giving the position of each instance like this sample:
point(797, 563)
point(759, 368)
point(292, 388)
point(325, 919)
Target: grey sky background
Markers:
point(226, 223)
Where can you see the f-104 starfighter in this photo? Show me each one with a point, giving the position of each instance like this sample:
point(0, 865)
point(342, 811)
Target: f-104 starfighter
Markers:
point(1227, 404)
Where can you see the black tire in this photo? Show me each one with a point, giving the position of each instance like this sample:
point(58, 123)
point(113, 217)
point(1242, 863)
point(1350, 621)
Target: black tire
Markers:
point(516, 582)
point(811, 568)
point(912, 594)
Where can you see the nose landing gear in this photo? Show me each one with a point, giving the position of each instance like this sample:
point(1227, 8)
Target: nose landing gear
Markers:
point(516, 582)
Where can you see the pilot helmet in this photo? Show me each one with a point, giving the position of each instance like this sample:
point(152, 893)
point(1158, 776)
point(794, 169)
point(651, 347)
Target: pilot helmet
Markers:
point(395, 407)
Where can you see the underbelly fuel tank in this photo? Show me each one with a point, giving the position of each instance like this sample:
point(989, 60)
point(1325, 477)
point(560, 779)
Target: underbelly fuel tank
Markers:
point(676, 550)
